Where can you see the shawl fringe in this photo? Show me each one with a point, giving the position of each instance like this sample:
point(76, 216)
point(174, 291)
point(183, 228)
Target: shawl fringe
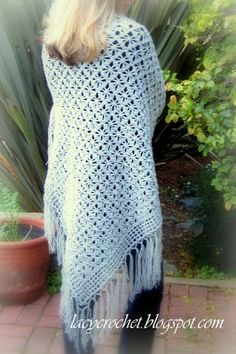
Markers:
point(111, 301)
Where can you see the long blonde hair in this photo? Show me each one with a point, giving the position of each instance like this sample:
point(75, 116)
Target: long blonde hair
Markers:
point(74, 30)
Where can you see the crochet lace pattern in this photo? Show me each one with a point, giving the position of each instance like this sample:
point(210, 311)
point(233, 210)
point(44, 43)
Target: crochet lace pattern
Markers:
point(101, 196)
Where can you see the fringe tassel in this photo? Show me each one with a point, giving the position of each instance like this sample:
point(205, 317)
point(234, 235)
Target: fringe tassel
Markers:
point(54, 233)
point(111, 301)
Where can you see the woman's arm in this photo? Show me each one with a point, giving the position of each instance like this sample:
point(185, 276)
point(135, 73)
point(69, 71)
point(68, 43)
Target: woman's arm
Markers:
point(51, 129)
point(51, 125)
point(154, 81)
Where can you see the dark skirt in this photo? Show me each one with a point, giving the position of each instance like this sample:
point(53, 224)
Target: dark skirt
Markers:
point(133, 340)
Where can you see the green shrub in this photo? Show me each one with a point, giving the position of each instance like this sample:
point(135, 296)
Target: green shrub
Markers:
point(9, 205)
point(206, 100)
point(54, 282)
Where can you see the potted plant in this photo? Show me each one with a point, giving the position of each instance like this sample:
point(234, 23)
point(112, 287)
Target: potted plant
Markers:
point(24, 254)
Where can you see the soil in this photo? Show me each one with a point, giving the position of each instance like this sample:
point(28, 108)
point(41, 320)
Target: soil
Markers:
point(169, 178)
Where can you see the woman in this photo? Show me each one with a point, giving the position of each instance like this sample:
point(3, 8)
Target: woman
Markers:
point(101, 203)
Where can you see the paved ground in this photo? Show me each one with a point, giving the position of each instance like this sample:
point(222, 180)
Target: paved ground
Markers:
point(36, 328)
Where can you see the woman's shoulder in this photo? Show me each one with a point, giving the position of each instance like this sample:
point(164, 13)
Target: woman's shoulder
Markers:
point(128, 22)
point(127, 27)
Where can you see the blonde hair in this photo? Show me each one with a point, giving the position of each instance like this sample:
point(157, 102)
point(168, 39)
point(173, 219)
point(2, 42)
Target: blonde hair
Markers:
point(75, 30)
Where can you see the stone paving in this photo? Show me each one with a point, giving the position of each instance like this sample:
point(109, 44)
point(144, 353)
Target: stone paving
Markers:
point(36, 328)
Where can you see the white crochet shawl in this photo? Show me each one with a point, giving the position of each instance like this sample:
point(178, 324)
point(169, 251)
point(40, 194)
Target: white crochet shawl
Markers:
point(101, 196)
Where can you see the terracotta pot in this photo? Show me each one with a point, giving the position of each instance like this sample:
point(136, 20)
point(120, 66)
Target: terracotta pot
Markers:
point(24, 266)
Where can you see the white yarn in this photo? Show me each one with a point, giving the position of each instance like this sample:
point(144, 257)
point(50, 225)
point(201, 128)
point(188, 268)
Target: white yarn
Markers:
point(101, 196)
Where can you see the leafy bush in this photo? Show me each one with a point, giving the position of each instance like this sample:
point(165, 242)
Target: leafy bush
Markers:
point(9, 205)
point(54, 282)
point(206, 100)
